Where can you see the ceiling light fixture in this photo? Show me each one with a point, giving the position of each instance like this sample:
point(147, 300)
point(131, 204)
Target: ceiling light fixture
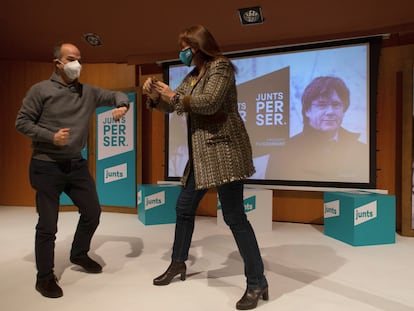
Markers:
point(250, 16)
point(92, 39)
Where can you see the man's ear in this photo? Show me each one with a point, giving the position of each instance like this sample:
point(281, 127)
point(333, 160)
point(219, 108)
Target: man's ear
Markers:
point(57, 62)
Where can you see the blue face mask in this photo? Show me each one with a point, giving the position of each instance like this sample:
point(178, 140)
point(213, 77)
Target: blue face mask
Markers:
point(186, 56)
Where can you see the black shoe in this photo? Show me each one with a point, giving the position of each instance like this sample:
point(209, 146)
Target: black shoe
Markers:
point(174, 269)
point(90, 265)
point(49, 288)
point(251, 297)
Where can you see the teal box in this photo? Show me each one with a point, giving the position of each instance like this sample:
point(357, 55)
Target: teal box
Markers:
point(360, 217)
point(156, 203)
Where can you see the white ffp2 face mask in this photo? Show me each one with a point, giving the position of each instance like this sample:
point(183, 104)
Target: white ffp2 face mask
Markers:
point(72, 69)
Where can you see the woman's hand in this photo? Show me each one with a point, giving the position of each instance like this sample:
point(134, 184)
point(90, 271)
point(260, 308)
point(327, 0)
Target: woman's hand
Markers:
point(149, 89)
point(164, 90)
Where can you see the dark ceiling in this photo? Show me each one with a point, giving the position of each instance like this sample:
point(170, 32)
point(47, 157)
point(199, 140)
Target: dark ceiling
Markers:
point(140, 32)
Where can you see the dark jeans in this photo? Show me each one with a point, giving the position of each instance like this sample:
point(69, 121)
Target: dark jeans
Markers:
point(50, 179)
point(231, 199)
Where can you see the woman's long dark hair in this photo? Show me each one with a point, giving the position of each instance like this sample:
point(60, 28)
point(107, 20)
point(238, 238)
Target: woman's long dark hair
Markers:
point(199, 38)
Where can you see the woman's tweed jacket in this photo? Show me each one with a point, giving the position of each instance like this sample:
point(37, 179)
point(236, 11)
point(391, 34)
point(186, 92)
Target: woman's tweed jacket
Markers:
point(221, 150)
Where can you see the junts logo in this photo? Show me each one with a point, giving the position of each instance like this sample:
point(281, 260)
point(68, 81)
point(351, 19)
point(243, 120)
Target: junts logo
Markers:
point(365, 213)
point(115, 173)
point(249, 204)
point(155, 200)
point(331, 209)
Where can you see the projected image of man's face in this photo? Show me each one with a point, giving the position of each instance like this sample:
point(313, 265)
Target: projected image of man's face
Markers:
point(326, 112)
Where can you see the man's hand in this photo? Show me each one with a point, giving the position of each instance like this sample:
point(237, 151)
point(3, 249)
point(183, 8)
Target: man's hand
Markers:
point(61, 137)
point(118, 113)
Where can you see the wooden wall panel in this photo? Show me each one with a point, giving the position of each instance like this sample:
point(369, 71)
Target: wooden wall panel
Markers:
point(392, 62)
point(153, 138)
point(109, 76)
point(298, 206)
point(16, 78)
point(406, 169)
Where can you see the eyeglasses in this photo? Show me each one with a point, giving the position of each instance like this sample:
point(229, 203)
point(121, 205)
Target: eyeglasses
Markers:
point(323, 105)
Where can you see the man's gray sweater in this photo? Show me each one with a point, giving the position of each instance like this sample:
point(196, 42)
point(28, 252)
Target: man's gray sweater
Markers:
point(51, 105)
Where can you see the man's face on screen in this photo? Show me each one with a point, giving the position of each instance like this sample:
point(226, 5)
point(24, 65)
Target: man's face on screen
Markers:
point(326, 112)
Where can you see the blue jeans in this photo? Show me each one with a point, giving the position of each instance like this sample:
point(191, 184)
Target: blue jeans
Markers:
point(50, 179)
point(231, 199)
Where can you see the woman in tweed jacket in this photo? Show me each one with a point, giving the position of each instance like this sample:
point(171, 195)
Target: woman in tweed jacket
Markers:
point(220, 154)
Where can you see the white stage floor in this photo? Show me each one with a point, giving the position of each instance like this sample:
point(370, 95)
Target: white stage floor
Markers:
point(306, 270)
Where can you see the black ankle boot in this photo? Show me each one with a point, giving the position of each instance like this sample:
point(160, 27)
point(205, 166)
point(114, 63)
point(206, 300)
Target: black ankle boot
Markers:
point(174, 269)
point(49, 287)
point(87, 263)
point(251, 297)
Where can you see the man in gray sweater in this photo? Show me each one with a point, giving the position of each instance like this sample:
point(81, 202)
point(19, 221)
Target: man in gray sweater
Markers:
point(55, 114)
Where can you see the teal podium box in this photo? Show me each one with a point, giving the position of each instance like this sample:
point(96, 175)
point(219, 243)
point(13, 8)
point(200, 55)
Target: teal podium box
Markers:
point(360, 217)
point(156, 203)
